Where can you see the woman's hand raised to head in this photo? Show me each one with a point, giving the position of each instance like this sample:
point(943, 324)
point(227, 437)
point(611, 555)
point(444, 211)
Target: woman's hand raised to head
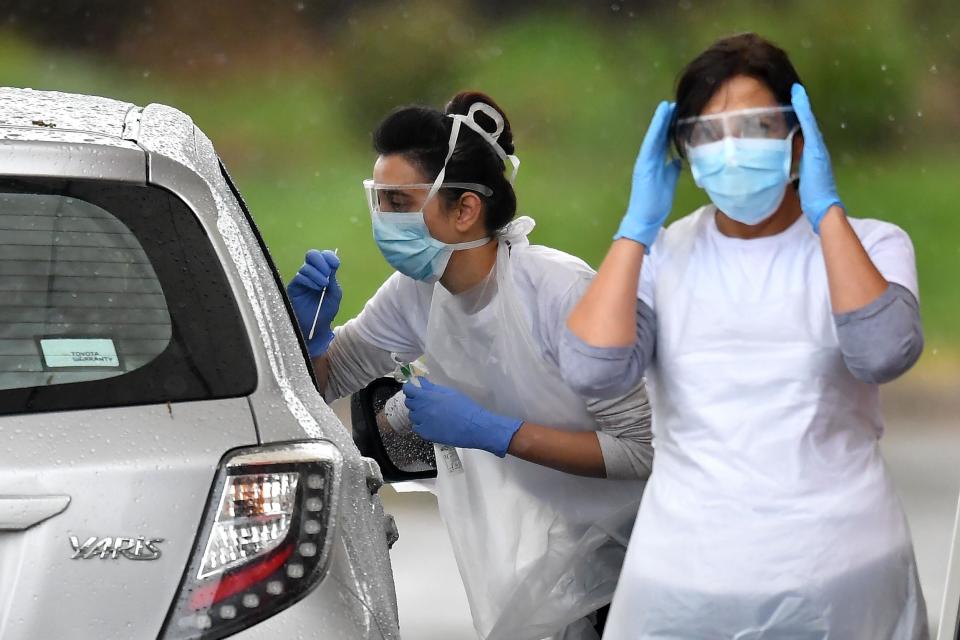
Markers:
point(654, 182)
point(818, 190)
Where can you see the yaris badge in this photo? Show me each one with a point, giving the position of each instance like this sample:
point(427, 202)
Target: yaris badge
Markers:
point(139, 548)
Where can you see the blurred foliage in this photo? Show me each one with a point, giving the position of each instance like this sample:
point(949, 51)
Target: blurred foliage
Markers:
point(382, 61)
point(289, 92)
point(870, 65)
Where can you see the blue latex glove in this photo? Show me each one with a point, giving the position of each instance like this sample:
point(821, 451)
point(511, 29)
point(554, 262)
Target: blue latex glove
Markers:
point(446, 416)
point(319, 270)
point(654, 182)
point(818, 191)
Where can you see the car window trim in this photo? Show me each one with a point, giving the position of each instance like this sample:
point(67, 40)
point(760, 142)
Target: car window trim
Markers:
point(265, 251)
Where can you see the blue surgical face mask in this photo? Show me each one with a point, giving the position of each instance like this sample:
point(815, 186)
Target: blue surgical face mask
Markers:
point(406, 243)
point(746, 178)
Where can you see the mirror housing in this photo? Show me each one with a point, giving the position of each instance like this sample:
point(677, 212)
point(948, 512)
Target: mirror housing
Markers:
point(401, 456)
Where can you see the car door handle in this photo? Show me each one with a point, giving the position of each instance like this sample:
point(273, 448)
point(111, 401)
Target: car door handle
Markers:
point(22, 512)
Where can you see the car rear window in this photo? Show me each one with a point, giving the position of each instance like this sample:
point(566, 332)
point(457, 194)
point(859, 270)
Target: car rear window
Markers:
point(112, 295)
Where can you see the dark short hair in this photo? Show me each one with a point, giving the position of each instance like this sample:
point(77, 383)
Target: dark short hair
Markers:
point(422, 134)
point(745, 54)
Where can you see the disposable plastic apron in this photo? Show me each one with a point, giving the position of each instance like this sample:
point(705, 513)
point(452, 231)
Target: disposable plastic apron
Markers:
point(538, 549)
point(769, 513)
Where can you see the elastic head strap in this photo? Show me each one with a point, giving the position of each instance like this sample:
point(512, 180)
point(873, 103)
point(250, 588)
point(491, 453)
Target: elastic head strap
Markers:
point(492, 113)
point(491, 138)
point(451, 146)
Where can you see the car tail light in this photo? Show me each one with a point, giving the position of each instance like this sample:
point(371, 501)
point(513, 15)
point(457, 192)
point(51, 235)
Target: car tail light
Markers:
point(264, 542)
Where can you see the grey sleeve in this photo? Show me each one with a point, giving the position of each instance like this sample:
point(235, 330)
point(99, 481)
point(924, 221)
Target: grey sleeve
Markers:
point(609, 372)
point(882, 340)
point(625, 435)
point(353, 363)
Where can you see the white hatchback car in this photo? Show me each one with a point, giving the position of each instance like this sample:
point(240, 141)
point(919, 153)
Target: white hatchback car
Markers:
point(167, 467)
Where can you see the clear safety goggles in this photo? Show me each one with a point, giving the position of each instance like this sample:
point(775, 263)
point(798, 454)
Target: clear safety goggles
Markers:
point(410, 198)
point(771, 123)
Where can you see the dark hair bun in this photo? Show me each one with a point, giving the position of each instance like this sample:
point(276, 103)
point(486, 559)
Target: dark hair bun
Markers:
point(461, 104)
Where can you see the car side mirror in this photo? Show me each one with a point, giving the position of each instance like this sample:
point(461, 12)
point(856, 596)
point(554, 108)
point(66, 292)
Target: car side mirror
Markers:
point(401, 455)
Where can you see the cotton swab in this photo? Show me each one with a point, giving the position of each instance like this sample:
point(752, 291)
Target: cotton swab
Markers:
point(323, 293)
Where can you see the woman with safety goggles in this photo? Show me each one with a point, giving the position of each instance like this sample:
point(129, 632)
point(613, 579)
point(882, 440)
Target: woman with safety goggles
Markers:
point(766, 321)
point(542, 488)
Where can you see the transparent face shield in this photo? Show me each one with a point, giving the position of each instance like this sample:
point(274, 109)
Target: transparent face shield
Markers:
point(763, 123)
point(410, 198)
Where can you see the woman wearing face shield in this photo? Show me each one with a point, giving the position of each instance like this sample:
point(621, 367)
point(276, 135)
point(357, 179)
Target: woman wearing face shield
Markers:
point(538, 485)
point(765, 322)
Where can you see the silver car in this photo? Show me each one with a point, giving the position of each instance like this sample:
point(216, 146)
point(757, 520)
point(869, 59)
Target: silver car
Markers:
point(167, 467)
point(950, 610)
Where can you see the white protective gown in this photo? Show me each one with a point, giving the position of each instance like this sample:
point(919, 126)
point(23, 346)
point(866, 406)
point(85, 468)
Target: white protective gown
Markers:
point(769, 513)
point(538, 549)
